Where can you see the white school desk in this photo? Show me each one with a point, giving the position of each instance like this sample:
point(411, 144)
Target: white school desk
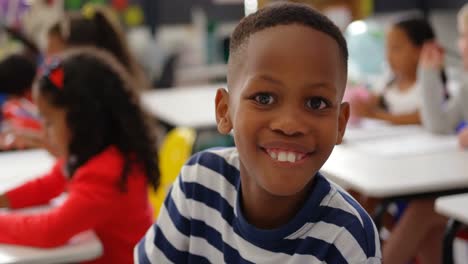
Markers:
point(16, 168)
point(363, 167)
point(456, 208)
point(183, 106)
point(201, 73)
point(382, 177)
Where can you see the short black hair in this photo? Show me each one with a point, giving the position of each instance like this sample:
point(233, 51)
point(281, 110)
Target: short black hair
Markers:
point(17, 74)
point(286, 14)
point(102, 109)
point(418, 30)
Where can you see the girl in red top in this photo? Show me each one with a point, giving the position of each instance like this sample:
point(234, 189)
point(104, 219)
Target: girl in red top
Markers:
point(108, 156)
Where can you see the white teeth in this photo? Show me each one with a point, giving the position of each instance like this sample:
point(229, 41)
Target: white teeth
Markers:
point(285, 156)
point(282, 156)
point(273, 155)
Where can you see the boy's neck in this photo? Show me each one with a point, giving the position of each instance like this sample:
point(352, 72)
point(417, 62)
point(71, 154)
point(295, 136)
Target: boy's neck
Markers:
point(266, 211)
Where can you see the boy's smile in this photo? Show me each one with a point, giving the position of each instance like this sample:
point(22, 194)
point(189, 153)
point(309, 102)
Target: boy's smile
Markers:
point(286, 153)
point(285, 109)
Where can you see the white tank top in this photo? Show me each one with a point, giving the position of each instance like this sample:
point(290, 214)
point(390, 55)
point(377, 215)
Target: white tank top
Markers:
point(402, 102)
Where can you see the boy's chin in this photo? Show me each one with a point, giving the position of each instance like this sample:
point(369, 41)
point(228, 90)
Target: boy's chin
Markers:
point(287, 188)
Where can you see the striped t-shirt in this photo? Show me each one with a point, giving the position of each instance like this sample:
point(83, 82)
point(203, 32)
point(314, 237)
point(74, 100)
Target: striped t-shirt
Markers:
point(201, 222)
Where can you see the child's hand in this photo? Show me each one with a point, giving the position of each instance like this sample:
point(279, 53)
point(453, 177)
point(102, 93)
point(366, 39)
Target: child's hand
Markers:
point(362, 108)
point(463, 138)
point(432, 56)
point(4, 203)
point(365, 107)
point(24, 139)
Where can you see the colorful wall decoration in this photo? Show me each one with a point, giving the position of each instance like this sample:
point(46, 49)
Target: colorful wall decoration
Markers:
point(129, 11)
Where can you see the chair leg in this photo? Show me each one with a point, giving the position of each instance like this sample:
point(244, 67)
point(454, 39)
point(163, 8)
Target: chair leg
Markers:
point(449, 237)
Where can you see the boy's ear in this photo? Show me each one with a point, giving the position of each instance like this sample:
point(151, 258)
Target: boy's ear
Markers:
point(342, 121)
point(222, 111)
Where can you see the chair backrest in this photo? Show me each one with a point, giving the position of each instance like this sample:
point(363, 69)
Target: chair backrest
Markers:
point(211, 138)
point(167, 77)
point(174, 152)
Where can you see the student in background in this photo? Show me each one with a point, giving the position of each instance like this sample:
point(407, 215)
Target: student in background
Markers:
point(419, 232)
point(91, 27)
point(400, 100)
point(439, 116)
point(17, 74)
point(94, 27)
point(108, 158)
point(18, 113)
point(265, 200)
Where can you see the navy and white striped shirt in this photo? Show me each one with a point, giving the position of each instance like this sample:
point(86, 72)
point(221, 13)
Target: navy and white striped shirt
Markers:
point(201, 222)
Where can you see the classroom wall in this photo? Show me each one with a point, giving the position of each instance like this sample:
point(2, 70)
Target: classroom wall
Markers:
point(445, 25)
point(179, 11)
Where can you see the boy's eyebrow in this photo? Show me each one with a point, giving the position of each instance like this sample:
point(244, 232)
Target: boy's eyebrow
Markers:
point(279, 82)
point(269, 79)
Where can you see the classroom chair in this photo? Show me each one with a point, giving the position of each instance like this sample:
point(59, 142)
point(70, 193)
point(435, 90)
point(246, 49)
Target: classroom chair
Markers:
point(177, 147)
point(174, 152)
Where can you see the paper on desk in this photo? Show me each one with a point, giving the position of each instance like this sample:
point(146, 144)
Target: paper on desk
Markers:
point(415, 144)
point(372, 132)
point(81, 247)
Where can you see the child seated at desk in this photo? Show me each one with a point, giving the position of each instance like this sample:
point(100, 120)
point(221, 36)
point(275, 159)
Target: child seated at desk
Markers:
point(18, 114)
point(93, 26)
point(439, 116)
point(265, 200)
point(420, 230)
point(400, 100)
point(107, 159)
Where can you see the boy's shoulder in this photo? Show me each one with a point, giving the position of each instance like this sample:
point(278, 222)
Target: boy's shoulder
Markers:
point(216, 156)
point(355, 226)
point(214, 164)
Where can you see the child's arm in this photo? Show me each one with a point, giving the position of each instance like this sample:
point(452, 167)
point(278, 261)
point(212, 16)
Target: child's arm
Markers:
point(405, 119)
point(38, 191)
point(88, 204)
point(24, 139)
point(168, 239)
point(372, 109)
point(4, 203)
point(436, 115)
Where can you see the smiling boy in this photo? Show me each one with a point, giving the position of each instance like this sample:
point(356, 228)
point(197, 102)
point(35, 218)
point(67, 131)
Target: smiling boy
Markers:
point(265, 201)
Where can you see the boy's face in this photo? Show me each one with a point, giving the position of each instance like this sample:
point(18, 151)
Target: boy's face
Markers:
point(285, 107)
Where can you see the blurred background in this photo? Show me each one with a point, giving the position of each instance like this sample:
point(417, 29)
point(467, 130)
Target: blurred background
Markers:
point(181, 42)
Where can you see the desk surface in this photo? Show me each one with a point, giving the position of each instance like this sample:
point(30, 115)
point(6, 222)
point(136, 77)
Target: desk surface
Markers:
point(82, 247)
point(407, 172)
point(453, 206)
point(18, 167)
point(183, 106)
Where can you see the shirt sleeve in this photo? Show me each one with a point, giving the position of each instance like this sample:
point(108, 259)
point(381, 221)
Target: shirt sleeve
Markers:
point(438, 115)
point(89, 203)
point(167, 241)
point(38, 191)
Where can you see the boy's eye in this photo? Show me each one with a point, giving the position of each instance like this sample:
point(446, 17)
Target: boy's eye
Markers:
point(264, 99)
point(316, 103)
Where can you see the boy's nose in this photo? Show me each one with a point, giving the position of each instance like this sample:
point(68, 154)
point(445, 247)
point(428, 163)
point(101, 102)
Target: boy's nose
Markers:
point(289, 123)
